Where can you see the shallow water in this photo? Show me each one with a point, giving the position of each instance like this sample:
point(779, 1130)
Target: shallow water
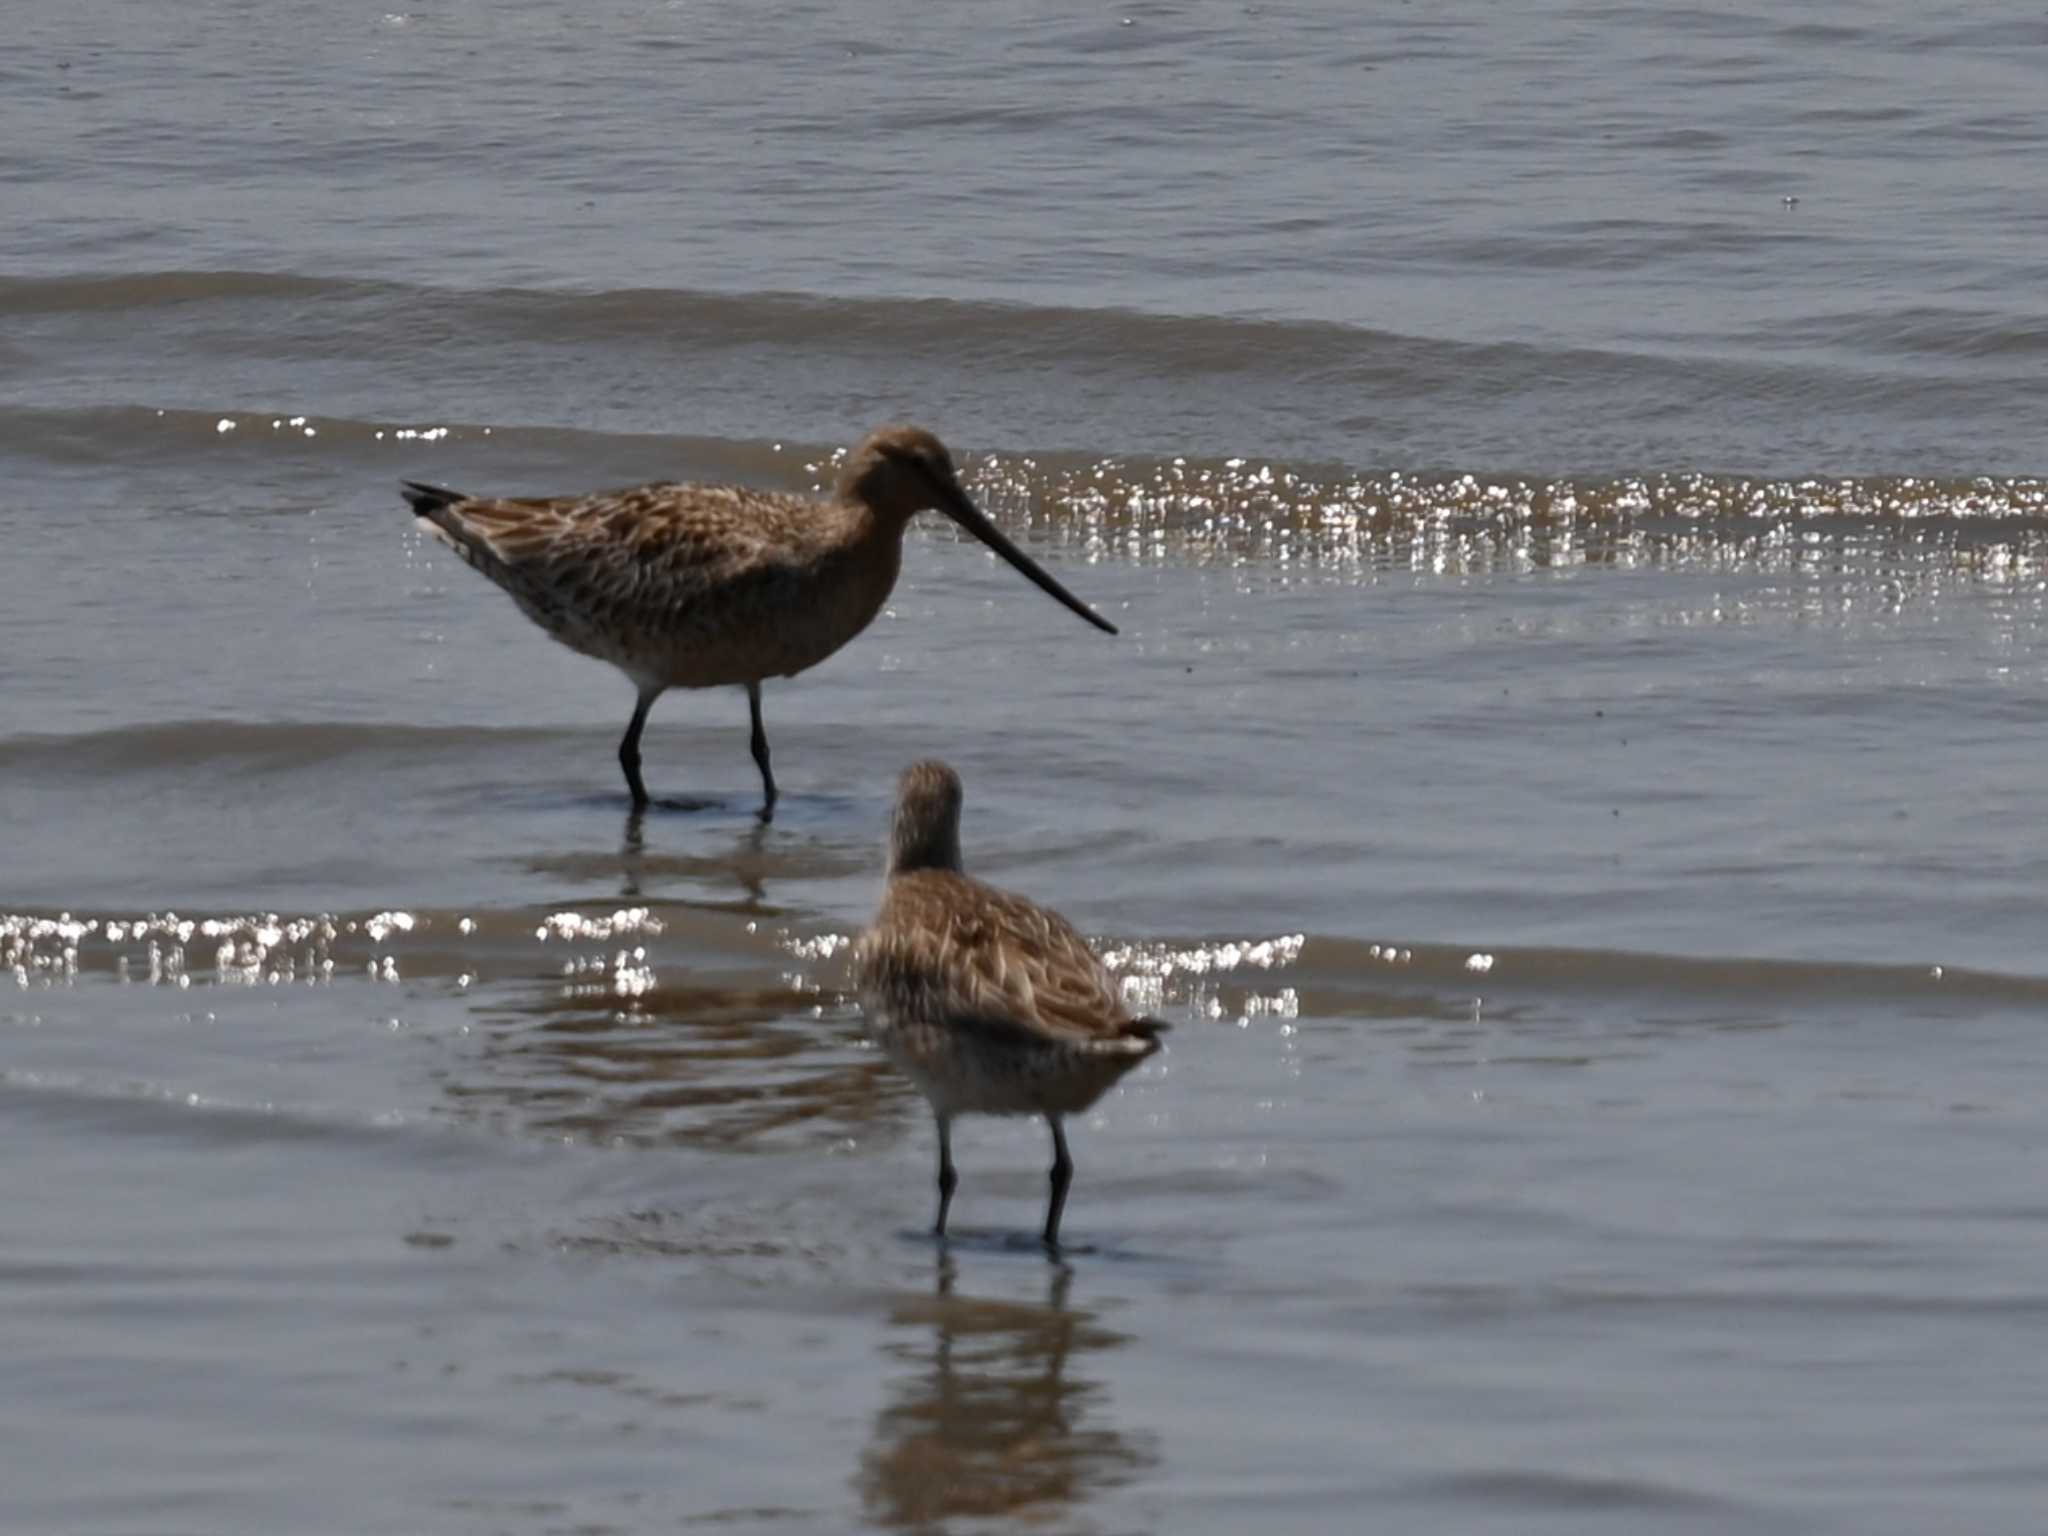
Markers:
point(1569, 772)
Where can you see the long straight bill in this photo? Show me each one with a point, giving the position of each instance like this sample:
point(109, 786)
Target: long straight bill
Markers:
point(964, 512)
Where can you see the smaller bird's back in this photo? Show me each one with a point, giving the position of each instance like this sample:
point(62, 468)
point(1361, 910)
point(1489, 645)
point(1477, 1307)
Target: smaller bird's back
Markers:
point(992, 1003)
point(947, 950)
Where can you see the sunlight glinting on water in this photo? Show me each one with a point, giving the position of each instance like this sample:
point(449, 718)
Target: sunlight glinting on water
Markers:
point(1568, 779)
point(1993, 531)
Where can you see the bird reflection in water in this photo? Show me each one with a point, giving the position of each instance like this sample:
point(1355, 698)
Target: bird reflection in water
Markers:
point(746, 1062)
point(751, 873)
point(743, 866)
point(993, 1417)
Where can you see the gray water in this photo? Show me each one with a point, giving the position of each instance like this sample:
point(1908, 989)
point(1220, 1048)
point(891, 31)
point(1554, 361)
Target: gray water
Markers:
point(1568, 481)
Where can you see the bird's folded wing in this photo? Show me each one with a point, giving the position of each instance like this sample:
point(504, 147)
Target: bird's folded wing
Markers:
point(993, 962)
point(650, 545)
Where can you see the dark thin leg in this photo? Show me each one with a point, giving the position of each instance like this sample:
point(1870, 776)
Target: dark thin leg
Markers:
point(948, 1179)
point(629, 749)
point(1062, 1176)
point(760, 745)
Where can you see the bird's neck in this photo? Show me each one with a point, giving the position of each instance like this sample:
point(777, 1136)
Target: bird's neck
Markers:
point(916, 848)
point(855, 555)
point(880, 518)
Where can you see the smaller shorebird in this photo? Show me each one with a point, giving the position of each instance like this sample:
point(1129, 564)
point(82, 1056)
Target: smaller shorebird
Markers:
point(706, 586)
point(990, 1003)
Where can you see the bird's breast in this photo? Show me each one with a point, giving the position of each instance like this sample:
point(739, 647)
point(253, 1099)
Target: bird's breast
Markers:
point(775, 617)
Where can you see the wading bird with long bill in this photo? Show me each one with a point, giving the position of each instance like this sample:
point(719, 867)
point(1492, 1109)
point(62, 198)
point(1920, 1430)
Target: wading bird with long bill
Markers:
point(708, 586)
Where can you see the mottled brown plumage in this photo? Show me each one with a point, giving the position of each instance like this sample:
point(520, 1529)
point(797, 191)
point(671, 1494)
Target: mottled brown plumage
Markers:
point(990, 1003)
point(704, 586)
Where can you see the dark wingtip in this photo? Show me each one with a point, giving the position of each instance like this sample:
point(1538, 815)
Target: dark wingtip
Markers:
point(1147, 1028)
point(424, 498)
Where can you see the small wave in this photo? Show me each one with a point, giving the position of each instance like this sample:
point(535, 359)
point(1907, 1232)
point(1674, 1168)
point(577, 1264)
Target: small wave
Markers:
point(1286, 977)
point(153, 290)
point(1007, 332)
point(1330, 966)
point(1293, 518)
point(1921, 332)
point(244, 746)
point(1534, 1490)
point(711, 319)
point(100, 435)
point(159, 1110)
point(595, 951)
point(1366, 379)
point(1933, 388)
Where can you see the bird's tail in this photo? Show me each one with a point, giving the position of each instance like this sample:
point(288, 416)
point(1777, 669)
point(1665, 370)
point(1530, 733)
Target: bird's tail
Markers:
point(439, 512)
point(1147, 1029)
point(426, 500)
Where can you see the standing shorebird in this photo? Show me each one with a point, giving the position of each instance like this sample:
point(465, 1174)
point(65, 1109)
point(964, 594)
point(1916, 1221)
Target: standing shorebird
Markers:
point(990, 1003)
point(707, 586)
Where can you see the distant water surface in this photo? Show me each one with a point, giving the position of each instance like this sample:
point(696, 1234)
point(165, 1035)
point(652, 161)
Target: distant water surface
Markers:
point(1568, 478)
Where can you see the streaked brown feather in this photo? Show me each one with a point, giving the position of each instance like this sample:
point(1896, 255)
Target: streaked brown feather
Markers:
point(989, 1003)
point(684, 585)
point(703, 586)
point(953, 951)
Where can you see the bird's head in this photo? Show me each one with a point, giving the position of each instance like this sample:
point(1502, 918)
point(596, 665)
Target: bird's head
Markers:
point(898, 472)
point(925, 831)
